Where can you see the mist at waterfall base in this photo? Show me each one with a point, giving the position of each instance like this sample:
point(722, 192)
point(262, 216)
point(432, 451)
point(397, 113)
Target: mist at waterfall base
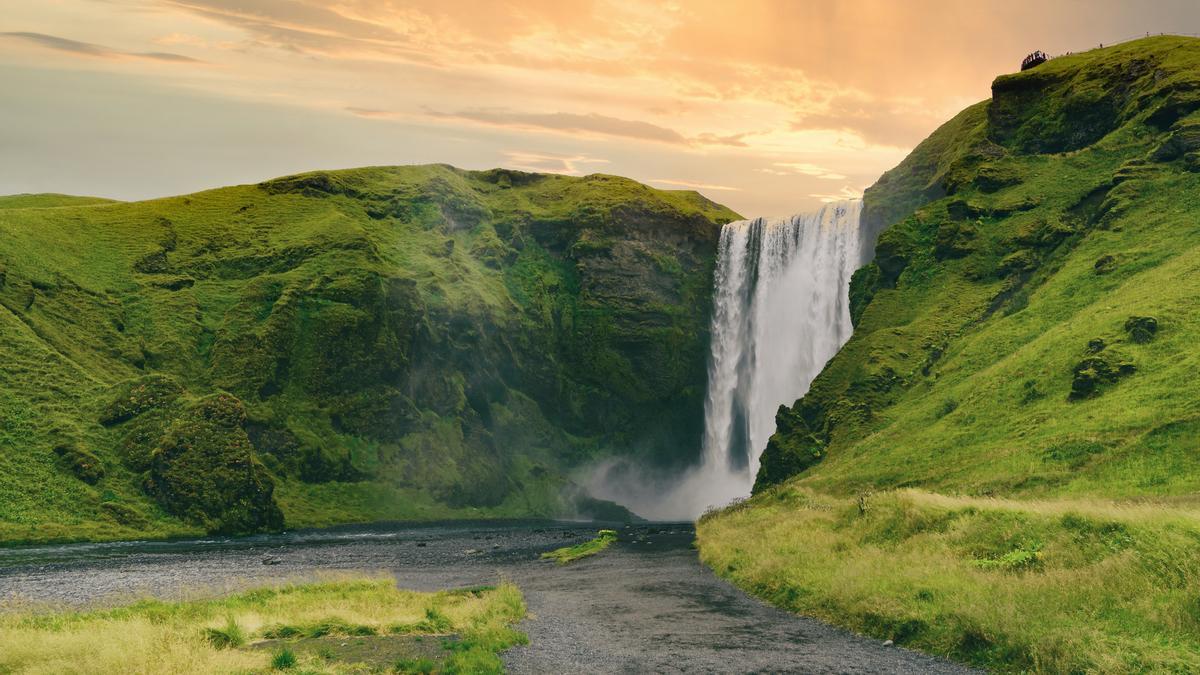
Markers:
point(780, 312)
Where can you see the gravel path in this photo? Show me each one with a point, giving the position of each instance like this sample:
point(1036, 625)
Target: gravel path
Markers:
point(644, 605)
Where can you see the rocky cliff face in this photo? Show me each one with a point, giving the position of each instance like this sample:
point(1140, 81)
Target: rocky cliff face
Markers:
point(400, 342)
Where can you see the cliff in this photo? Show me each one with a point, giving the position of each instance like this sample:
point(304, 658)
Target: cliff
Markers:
point(397, 342)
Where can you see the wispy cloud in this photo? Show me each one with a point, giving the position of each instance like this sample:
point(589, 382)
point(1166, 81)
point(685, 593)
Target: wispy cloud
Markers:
point(692, 186)
point(182, 39)
point(801, 168)
point(93, 50)
point(801, 96)
point(846, 192)
point(571, 123)
point(372, 113)
point(544, 162)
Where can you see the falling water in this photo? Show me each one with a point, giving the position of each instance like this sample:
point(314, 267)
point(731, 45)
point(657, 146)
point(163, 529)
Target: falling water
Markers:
point(780, 312)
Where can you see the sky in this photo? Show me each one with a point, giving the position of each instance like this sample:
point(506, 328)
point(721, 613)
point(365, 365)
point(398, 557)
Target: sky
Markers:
point(767, 106)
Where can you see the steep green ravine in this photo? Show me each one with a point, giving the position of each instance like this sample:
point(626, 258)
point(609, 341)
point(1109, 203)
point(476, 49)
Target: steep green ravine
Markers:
point(398, 342)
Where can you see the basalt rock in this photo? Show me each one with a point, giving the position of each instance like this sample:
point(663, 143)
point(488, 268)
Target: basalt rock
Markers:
point(1094, 372)
point(954, 239)
point(1105, 264)
point(1141, 329)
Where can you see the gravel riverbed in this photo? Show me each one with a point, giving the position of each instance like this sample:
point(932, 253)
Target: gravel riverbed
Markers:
point(644, 605)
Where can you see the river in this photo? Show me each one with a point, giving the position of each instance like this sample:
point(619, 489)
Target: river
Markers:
point(644, 605)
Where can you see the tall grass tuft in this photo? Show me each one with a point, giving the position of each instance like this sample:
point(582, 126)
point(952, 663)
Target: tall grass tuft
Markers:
point(228, 636)
point(284, 659)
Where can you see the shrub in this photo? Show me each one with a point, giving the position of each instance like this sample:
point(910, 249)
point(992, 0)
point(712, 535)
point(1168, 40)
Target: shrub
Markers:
point(1026, 556)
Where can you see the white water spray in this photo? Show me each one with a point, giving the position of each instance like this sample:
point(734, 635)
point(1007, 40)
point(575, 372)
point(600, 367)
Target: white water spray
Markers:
point(780, 312)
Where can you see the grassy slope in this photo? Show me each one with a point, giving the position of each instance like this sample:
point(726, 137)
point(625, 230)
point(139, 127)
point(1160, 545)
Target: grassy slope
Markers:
point(1018, 235)
point(406, 342)
point(172, 637)
point(28, 201)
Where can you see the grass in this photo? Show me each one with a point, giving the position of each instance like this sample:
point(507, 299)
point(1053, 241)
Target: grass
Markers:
point(960, 369)
point(227, 636)
point(569, 554)
point(385, 329)
point(995, 467)
point(219, 635)
point(959, 373)
point(284, 659)
point(1058, 586)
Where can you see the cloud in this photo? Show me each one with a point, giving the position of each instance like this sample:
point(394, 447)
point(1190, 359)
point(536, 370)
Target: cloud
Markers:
point(587, 124)
point(93, 50)
point(801, 168)
point(543, 162)
point(182, 39)
point(733, 140)
point(572, 123)
point(818, 93)
point(846, 192)
point(306, 28)
point(691, 185)
point(371, 113)
point(893, 123)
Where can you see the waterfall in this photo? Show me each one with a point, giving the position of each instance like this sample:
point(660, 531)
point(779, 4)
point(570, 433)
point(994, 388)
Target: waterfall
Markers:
point(780, 312)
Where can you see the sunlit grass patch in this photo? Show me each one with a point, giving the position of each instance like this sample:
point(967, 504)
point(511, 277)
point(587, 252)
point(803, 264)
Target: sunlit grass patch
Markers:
point(1010, 585)
point(220, 635)
point(569, 554)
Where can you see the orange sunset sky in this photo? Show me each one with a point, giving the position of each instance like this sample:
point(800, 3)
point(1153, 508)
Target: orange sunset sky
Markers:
point(769, 107)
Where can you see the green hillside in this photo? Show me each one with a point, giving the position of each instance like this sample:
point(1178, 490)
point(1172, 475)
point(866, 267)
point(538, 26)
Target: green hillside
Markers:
point(404, 342)
point(1027, 331)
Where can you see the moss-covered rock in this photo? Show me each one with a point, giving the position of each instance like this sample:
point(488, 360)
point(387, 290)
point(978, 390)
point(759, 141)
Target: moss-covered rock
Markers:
point(1104, 264)
point(1141, 329)
point(797, 444)
point(153, 263)
point(1090, 375)
point(134, 397)
point(140, 436)
point(124, 514)
point(864, 283)
point(993, 177)
point(1018, 261)
point(954, 239)
point(205, 471)
point(81, 463)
